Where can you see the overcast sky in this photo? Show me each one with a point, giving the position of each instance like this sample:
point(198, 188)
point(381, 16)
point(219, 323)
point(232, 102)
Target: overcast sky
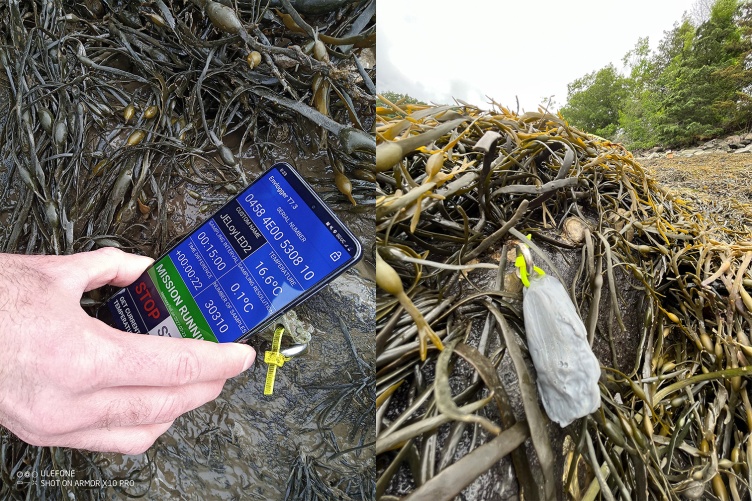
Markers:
point(435, 49)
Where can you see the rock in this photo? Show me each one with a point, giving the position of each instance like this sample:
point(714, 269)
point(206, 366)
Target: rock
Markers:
point(737, 143)
point(368, 59)
point(734, 142)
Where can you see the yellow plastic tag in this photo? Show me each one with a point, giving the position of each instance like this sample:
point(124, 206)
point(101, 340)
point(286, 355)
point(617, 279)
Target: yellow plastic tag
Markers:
point(522, 265)
point(274, 359)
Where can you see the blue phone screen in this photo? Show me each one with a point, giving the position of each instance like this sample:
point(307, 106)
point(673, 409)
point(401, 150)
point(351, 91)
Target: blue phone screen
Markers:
point(258, 254)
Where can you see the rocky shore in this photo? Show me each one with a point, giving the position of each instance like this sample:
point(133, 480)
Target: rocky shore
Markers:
point(738, 143)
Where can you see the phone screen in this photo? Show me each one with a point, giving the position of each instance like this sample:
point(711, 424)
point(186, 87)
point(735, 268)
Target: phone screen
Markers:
point(262, 253)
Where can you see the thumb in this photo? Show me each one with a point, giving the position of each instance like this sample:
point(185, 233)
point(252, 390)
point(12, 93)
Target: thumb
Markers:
point(109, 265)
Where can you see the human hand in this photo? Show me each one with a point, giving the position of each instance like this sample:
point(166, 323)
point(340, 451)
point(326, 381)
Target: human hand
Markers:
point(67, 379)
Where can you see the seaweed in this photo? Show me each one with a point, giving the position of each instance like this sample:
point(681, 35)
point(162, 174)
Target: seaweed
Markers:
point(458, 187)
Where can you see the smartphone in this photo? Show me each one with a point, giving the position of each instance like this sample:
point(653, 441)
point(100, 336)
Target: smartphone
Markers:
point(262, 253)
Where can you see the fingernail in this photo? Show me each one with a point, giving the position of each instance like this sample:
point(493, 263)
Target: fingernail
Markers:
point(249, 360)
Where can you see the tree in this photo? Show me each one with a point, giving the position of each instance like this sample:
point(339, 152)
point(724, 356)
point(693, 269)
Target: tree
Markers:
point(695, 86)
point(639, 109)
point(696, 95)
point(736, 106)
point(594, 101)
point(679, 105)
point(398, 98)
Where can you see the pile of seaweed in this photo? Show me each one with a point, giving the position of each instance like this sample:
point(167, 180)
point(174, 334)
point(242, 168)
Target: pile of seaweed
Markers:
point(457, 188)
point(723, 198)
point(112, 105)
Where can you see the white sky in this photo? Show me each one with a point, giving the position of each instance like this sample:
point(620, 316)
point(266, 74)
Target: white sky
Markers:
point(434, 50)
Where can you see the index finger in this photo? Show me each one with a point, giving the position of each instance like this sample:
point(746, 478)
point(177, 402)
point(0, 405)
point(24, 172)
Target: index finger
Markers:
point(126, 359)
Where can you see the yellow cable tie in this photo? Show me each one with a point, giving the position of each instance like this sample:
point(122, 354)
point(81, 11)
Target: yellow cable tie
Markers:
point(274, 359)
point(520, 263)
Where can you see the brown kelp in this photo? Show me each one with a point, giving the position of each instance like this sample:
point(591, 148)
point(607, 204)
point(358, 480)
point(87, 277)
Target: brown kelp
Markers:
point(139, 96)
point(661, 288)
point(119, 114)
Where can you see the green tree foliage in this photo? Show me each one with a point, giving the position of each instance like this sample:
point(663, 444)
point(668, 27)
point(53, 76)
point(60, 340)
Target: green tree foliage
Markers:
point(398, 99)
point(696, 85)
point(682, 89)
point(640, 107)
point(594, 101)
point(737, 107)
point(697, 100)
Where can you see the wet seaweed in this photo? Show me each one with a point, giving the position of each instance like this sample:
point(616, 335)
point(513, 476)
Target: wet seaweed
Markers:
point(352, 401)
point(457, 188)
point(112, 105)
point(310, 479)
point(305, 482)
